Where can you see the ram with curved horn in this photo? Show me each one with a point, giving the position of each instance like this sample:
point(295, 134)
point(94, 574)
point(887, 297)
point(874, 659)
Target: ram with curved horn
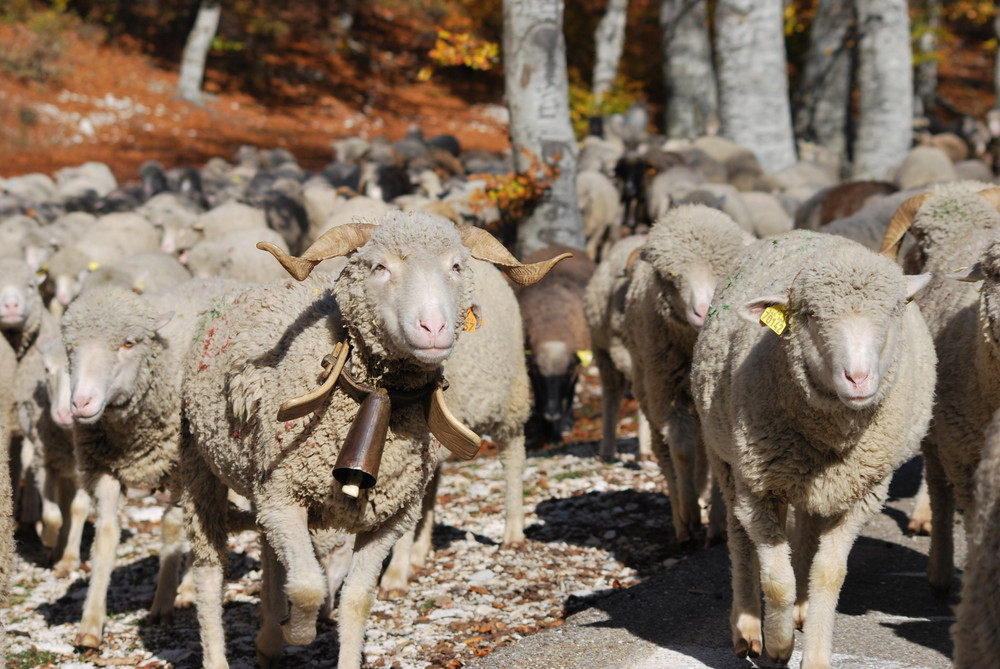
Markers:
point(343, 239)
point(317, 463)
point(956, 226)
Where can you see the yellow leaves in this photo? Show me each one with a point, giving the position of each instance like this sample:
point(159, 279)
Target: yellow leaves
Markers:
point(515, 194)
point(454, 49)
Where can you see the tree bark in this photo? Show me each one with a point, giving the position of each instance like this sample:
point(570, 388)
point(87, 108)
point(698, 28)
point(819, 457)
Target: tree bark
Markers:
point(825, 89)
point(753, 80)
point(609, 40)
point(687, 68)
point(885, 88)
point(196, 50)
point(927, 70)
point(537, 95)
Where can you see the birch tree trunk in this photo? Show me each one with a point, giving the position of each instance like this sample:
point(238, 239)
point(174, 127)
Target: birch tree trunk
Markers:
point(885, 88)
point(753, 80)
point(609, 40)
point(687, 68)
point(825, 89)
point(196, 50)
point(927, 70)
point(537, 95)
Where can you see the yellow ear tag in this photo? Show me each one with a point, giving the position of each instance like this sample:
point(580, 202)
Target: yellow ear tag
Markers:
point(471, 322)
point(586, 357)
point(93, 265)
point(775, 318)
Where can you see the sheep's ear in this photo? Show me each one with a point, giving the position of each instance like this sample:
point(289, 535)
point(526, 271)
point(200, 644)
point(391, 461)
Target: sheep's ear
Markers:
point(915, 283)
point(39, 278)
point(337, 241)
point(754, 309)
point(971, 274)
point(485, 246)
point(163, 319)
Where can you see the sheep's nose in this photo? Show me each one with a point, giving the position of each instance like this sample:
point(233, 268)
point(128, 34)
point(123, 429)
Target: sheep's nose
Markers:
point(433, 325)
point(857, 378)
point(81, 404)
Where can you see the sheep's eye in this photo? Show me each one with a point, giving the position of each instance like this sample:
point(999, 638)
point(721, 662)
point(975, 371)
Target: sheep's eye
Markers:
point(457, 267)
point(128, 344)
point(379, 267)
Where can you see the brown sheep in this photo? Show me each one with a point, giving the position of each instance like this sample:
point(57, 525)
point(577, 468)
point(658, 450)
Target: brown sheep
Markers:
point(554, 331)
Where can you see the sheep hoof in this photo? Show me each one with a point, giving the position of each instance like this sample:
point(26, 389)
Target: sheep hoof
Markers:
point(266, 661)
point(919, 527)
point(395, 592)
point(87, 640)
point(745, 648)
point(160, 618)
point(299, 628)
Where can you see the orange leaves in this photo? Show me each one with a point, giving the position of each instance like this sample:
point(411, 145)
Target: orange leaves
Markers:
point(515, 194)
point(454, 49)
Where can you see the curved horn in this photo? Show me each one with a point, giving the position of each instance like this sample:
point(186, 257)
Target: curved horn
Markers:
point(337, 241)
point(485, 246)
point(899, 224)
point(991, 195)
point(632, 257)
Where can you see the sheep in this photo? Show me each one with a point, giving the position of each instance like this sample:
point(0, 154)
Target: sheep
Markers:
point(125, 353)
point(114, 237)
point(7, 554)
point(976, 632)
point(767, 215)
point(555, 331)
point(234, 256)
point(817, 417)
point(924, 165)
point(687, 253)
point(46, 421)
point(147, 272)
point(599, 207)
point(399, 303)
point(604, 309)
point(90, 177)
point(955, 225)
point(489, 391)
point(228, 217)
point(841, 201)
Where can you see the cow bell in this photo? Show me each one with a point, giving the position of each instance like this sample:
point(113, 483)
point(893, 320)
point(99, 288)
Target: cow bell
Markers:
point(359, 459)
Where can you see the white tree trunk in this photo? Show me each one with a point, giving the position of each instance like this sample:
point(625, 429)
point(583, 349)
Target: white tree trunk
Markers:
point(885, 88)
point(753, 80)
point(825, 89)
point(927, 71)
point(609, 39)
point(537, 95)
point(196, 50)
point(687, 68)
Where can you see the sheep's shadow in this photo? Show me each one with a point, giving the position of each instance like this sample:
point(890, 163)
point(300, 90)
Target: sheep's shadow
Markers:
point(131, 588)
point(633, 525)
point(878, 593)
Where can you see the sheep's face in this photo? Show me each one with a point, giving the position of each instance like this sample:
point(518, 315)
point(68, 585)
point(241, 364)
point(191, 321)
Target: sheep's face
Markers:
point(109, 361)
point(554, 371)
point(409, 291)
point(18, 295)
point(845, 330)
point(689, 291)
point(57, 385)
point(987, 270)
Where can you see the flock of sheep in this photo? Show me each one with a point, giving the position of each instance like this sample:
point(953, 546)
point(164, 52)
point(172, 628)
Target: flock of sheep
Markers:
point(154, 338)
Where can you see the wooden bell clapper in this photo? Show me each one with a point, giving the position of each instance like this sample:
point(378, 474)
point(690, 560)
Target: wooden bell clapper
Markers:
point(358, 463)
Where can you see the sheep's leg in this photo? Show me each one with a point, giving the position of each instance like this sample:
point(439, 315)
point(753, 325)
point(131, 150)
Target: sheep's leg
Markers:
point(52, 515)
point(357, 595)
point(204, 503)
point(612, 392)
point(645, 436)
point(805, 541)
point(681, 436)
point(413, 546)
point(286, 529)
point(107, 493)
point(826, 576)
point(666, 463)
point(76, 504)
point(920, 519)
point(512, 458)
point(744, 617)
point(273, 607)
point(941, 561)
point(171, 552)
point(765, 523)
point(334, 550)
